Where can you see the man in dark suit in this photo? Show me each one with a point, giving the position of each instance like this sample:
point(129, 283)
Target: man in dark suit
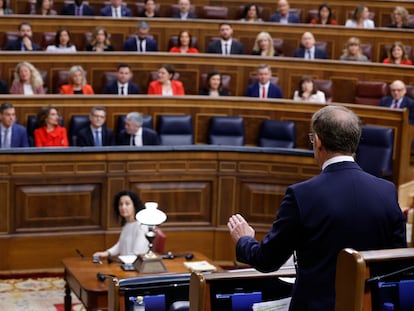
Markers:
point(184, 11)
point(141, 42)
point(12, 135)
point(25, 41)
point(122, 85)
point(227, 45)
point(78, 8)
point(96, 134)
point(116, 9)
point(135, 134)
point(398, 99)
point(283, 16)
point(263, 88)
point(308, 49)
point(341, 207)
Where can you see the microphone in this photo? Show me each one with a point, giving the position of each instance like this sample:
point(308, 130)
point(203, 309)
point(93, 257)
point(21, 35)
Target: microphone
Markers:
point(170, 255)
point(80, 253)
point(102, 276)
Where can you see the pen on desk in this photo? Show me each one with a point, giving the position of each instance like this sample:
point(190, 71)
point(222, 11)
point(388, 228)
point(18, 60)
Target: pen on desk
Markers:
point(80, 253)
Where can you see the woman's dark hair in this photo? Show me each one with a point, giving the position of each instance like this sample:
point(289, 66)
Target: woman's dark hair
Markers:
point(43, 114)
point(138, 205)
point(170, 69)
point(247, 8)
point(211, 74)
point(323, 6)
point(57, 37)
point(179, 38)
point(303, 80)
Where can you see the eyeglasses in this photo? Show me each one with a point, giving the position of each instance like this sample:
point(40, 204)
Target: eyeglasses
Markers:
point(98, 116)
point(311, 137)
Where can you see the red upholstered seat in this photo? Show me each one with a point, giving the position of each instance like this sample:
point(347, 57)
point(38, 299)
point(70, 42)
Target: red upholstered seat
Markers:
point(370, 92)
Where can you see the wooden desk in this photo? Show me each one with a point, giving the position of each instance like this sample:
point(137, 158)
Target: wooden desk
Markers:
point(81, 279)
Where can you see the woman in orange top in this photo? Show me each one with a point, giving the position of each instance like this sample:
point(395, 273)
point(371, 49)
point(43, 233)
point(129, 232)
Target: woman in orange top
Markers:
point(185, 41)
point(165, 85)
point(77, 82)
point(397, 55)
point(50, 133)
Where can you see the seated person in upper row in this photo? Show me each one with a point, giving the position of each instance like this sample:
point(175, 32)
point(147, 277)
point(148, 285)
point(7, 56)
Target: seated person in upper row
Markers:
point(77, 83)
point(78, 8)
point(184, 10)
point(353, 51)
point(263, 87)
point(4, 9)
point(135, 134)
point(399, 18)
point(165, 85)
point(12, 135)
point(149, 9)
point(325, 16)
point(116, 9)
point(185, 41)
point(308, 50)
point(25, 41)
point(282, 15)
point(141, 42)
point(100, 41)
point(308, 92)
point(397, 55)
point(263, 45)
point(123, 84)
point(4, 89)
point(44, 7)
point(96, 134)
point(398, 99)
point(50, 133)
point(360, 18)
point(213, 85)
point(27, 80)
point(62, 42)
point(251, 13)
point(227, 44)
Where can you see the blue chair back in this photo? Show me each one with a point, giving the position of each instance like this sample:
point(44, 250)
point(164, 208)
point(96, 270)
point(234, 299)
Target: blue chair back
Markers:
point(226, 131)
point(77, 122)
point(175, 129)
point(279, 134)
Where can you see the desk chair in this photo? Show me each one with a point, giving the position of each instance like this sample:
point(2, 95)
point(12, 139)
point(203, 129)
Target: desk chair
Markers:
point(370, 92)
point(226, 131)
point(175, 129)
point(279, 134)
point(77, 122)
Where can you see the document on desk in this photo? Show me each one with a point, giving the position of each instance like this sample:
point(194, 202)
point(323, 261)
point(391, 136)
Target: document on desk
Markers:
point(275, 305)
point(200, 266)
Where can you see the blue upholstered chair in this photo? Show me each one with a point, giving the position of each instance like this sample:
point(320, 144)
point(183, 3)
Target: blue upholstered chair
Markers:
point(226, 131)
point(77, 122)
point(375, 150)
point(175, 129)
point(275, 133)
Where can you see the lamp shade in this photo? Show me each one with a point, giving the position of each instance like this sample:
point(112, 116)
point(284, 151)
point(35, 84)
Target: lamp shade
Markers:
point(151, 215)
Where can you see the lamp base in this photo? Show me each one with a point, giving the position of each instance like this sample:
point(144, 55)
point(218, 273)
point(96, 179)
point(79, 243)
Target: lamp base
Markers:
point(153, 264)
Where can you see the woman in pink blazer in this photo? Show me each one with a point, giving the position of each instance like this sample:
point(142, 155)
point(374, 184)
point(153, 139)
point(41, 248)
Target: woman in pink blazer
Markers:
point(165, 85)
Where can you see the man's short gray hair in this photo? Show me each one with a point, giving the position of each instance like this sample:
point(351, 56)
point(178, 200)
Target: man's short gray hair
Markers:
point(136, 118)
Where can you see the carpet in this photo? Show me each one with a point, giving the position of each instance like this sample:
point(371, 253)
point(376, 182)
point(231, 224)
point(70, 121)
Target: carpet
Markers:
point(35, 294)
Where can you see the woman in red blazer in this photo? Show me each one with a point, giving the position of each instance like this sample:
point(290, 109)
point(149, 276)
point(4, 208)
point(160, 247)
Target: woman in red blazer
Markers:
point(165, 85)
point(50, 133)
point(185, 42)
point(77, 82)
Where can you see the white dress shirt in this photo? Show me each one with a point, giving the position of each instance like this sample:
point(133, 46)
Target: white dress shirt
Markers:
point(137, 138)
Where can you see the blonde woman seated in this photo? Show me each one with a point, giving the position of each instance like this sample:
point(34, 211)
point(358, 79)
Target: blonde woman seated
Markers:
point(359, 18)
point(62, 43)
point(77, 82)
point(100, 41)
point(353, 52)
point(308, 92)
point(27, 80)
point(399, 18)
point(397, 55)
point(263, 45)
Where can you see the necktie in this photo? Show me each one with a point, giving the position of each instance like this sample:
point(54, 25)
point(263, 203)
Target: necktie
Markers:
point(263, 92)
point(132, 140)
point(6, 140)
point(395, 104)
point(226, 49)
point(97, 139)
point(309, 54)
point(77, 13)
point(122, 90)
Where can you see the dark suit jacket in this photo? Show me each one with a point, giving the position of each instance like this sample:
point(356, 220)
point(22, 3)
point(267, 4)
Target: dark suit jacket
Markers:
point(149, 137)
point(207, 92)
point(407, 102)
point(3, 87)
point(215, 47)
point(341, 207)
point(85, 137)
point(69, 9)
point(292, 18)
point(16, 45)
point(107, 11)
point(189, 16)
point(18, 136)
point(112, 88)
point(253, 90)
point(320, 54)
point(131, 45)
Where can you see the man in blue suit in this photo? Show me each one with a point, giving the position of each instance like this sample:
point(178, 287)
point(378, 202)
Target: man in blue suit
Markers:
point(308, 50)
point(122, 85)
point(135, 134)
point(398, 99)
point(227, 44)
point(283, 16)
point(341, 207)
point(141, 42)
point(116, 9)
point(25, 40)
point(13, 135)
point(78, 8)
point(263, 88)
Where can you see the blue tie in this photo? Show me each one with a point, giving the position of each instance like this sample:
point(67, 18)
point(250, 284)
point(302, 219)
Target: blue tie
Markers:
point(97, 139)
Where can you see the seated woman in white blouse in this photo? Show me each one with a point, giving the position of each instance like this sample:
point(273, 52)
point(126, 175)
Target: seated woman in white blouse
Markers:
point(308, 92)
point(62, 43)
point(360, 18)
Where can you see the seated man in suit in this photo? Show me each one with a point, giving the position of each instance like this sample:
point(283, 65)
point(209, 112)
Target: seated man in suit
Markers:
point(184, 10)
point(122, 85)
point(308, 49)
point(398, 99)
point(282, 15)
point(12, 135)
point(25, 40)
point(135, 134)
point(263, 88)
point(96, 134)
point(78, 8)
point(116, 9)
point(226, 45)
point(141, 42)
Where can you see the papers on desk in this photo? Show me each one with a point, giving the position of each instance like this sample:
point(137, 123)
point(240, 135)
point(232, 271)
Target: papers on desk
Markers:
point(275, 305)
point(199, 266)
point(128, 259)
